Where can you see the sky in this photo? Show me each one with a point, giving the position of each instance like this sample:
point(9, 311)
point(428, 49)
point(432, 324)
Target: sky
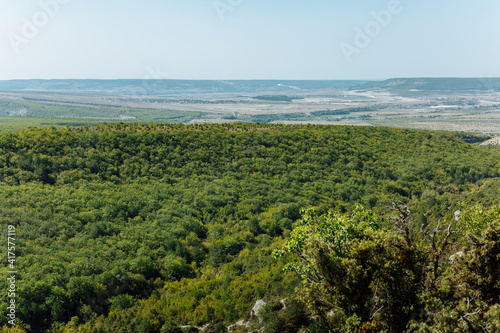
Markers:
point(248, 39)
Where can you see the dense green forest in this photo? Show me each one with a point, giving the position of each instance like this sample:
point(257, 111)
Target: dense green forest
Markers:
point(147, 228)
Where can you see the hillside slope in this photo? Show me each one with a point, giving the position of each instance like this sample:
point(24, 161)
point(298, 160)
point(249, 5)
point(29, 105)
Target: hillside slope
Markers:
point(133, 227)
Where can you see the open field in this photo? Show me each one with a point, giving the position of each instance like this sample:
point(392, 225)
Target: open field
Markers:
point(393, 104)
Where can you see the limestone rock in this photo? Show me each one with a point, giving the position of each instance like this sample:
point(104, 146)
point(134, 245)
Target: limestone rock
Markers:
point(257, 307)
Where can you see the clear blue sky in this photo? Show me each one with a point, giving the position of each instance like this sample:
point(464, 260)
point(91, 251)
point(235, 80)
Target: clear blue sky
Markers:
point(257, 39)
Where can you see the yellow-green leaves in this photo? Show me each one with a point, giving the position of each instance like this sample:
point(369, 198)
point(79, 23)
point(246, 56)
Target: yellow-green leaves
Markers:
point(332, 231)
point(477, 218)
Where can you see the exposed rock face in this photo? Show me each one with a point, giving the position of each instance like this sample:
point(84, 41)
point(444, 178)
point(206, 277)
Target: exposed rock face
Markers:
point(283, 301)
point(454, 257)
point(256, 308)
point(254, 318)
point(237, 325)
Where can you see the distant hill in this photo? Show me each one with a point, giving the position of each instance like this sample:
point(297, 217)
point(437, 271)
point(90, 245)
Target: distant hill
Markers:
point(174, 87)
point(436, 84)
point(243, 87)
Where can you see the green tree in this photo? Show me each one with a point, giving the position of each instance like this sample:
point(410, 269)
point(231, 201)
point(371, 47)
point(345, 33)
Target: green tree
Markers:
point(358, 277)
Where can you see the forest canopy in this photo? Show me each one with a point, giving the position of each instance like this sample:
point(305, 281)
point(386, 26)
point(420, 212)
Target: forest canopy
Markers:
point(149, 227)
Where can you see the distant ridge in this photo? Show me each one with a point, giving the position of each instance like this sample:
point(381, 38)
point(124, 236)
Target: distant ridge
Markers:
point(174, 87)
point(243, 87)
point(436, 84)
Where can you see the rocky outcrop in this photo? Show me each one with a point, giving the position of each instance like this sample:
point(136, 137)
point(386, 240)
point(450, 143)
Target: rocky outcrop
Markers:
point(254, 318)
point(256, 309)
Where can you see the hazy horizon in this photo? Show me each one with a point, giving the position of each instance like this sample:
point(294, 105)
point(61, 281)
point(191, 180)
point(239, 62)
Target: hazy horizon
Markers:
point(248, 40)
point(257, 79)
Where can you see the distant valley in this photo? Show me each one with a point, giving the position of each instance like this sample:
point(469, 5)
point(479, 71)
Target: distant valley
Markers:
point(456, 104)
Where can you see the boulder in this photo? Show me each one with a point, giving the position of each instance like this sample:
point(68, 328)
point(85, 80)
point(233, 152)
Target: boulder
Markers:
point(256, 308)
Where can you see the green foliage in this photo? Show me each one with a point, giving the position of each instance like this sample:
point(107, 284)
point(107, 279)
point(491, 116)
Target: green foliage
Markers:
point(124, 228)
point(350, 273)
point(333, 231)
point(81, 114)
point(287, 316)
point(170, 328)
point(122, 301)
point(477, 218)
point(14, 329)
point(379, 280)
